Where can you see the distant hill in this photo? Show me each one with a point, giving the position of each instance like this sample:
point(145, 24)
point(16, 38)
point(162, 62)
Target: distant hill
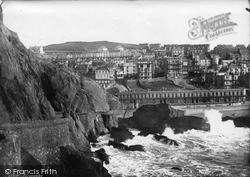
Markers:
point(88, 46)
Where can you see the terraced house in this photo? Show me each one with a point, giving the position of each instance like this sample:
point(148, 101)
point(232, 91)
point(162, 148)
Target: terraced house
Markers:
point(178, 97)
point(104, 76)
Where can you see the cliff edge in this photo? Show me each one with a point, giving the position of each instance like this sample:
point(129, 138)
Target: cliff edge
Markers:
point(32, 89)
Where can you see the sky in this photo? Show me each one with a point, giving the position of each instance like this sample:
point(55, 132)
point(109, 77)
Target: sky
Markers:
point(166, 22)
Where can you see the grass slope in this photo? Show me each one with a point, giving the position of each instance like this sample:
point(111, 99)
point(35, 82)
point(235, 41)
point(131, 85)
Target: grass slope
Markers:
point(88, 46)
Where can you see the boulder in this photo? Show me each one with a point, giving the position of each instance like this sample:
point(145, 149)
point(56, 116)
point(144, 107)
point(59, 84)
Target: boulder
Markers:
point(136, 147)
point(77, 163)
point(122, 146)
point(165, 140)
point(118, 145)
point(110, 121)
point(103, 156)
point(182, 124)
point(143, 133)
point(92, 137)
point(153, 118)
point(177, 168)
point(239, 121)
point(121, 134)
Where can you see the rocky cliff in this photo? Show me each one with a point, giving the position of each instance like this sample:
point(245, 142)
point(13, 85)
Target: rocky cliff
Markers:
point(151, 119)
point(32, 89)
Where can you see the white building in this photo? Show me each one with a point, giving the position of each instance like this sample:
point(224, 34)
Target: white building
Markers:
point(104, 76)
point(130, 68)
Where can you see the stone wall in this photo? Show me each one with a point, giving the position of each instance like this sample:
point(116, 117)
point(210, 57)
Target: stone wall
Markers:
point(42, 139)
point(10, 148)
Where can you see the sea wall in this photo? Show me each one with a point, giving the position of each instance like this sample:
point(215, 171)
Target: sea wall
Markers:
point(198, 109)
point(41, 139)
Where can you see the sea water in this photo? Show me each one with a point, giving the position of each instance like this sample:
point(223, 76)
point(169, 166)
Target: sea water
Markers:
point(224, 151)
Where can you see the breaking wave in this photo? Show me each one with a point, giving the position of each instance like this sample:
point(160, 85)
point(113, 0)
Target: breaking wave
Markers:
point(224, 151)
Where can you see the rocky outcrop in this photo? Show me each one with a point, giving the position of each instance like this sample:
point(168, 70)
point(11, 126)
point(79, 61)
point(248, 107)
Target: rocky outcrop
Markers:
point(182, 124)
point(153, 119)
point(79, 164)
point(239, 121)
point(165, 140)
point(1, 13)
point(121, 134)
point(122, 146)
point(33, 89)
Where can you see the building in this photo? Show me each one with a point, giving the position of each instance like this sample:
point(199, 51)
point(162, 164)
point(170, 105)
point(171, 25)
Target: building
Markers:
point(104, 76)
point(37, 49)
point(205, 62)
point(153, 47)
point(173, 67)
point(130, 69)
point(224, 50)
point(82, 69)
point(189, 49)
point(145, 69)
point(178, 51)
point(225, 63)
point(144, 46)
point(226, 77)
point(201, 49)
point(245, 54)
point(102, 49)
point(119, 73)
point(188, 97)
point(244, 80)
point(97, 63)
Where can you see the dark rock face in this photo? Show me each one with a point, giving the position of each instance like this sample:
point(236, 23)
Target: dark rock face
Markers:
point(33, 89)
point(118, 145)
point(1, 13)
point(182, 124)
point(79, 164)
point(143, 133)
point(102, 155)
point(121, 134)
point(177, 168)
point(165, 140)
point(136, 147)
point(239, 121)
point(122, 146)
point(153, 118)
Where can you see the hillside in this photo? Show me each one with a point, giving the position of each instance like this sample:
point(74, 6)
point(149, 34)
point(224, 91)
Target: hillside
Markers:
point(88, 46)
point(49, 113)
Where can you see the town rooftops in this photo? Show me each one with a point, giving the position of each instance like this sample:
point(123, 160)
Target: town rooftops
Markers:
point(103, 68)
point(245, 51)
